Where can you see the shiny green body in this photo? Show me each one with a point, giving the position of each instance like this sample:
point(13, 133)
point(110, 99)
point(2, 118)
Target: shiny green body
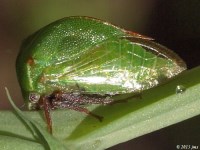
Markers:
point(91, 56)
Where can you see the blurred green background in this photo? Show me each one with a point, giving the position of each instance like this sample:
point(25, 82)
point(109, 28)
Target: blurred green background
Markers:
point(175, 24)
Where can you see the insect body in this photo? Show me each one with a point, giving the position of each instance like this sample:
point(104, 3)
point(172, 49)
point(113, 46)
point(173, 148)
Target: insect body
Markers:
point(81, 60)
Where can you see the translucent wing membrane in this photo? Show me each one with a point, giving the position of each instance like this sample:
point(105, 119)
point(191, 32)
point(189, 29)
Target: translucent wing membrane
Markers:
point(114, 66)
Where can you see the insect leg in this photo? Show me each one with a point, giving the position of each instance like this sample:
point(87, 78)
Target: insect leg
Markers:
point(80, 89)
point(81, 109)
point(125, 100)
point(47, 114)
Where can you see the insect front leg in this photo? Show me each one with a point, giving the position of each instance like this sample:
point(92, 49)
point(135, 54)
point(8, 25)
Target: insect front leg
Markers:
point(47, 109)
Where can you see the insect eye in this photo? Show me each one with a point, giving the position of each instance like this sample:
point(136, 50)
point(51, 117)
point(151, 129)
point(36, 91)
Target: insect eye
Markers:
point(34, 97)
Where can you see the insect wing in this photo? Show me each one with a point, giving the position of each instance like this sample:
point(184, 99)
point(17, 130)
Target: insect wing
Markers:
point(116, 65)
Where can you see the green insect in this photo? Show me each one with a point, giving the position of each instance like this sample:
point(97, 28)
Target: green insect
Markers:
point(82, 60)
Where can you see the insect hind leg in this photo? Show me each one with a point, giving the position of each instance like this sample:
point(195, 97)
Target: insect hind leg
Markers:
point(80, 109)
point(74, 101)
